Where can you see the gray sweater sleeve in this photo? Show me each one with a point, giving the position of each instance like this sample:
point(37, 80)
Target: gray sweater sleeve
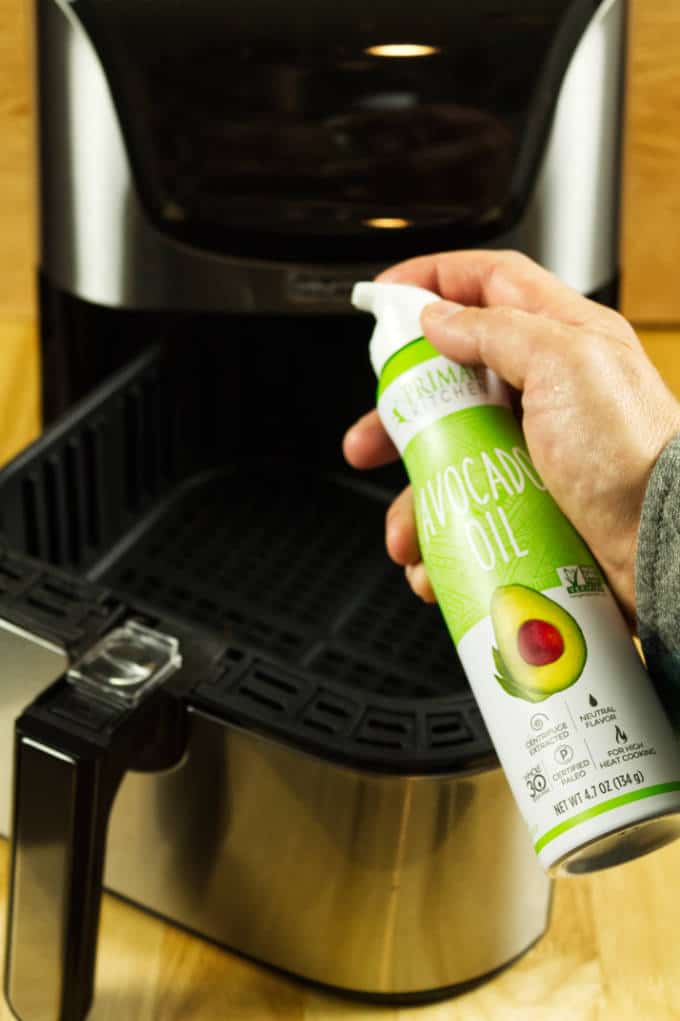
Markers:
point(658, 577)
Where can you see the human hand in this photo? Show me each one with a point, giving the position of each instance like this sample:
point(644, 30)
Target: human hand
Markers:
point(596, 413)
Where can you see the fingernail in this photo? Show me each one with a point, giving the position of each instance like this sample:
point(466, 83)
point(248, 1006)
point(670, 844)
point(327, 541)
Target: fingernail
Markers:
point(439, 310)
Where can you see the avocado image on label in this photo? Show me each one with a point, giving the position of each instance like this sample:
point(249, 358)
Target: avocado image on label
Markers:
point(540, 647)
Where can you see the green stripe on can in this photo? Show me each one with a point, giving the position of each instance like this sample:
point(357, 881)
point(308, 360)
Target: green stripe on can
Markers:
point(418, 351)
point(607, 806)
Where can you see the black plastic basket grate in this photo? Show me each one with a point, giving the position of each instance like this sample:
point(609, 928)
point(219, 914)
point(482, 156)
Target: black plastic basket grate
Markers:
point(327, 646)
point(69, 611)
point(296, 567)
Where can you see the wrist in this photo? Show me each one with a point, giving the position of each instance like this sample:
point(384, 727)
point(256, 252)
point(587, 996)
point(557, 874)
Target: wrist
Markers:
point(622, 583)
point(619, 569)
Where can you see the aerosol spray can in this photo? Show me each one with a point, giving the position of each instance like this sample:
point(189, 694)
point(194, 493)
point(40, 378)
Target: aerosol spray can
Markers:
point(588, 751)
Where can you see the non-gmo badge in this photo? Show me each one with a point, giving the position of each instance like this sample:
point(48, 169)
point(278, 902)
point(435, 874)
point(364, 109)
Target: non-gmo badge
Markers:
point(581, 580)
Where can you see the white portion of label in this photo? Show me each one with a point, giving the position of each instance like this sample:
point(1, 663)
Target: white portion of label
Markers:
point(599, 744)
point(432, 390)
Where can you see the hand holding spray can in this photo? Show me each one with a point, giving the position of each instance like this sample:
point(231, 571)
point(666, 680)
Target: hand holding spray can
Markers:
point(585, 744)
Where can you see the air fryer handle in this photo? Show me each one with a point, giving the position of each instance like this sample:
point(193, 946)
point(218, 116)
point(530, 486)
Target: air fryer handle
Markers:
point(62, 807)
point(72, 748)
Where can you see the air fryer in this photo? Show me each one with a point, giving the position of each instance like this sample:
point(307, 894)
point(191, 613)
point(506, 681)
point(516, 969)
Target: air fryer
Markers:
point(234, 712)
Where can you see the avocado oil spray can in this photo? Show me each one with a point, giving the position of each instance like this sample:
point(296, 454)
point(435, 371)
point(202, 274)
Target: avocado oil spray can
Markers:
point(587, 749)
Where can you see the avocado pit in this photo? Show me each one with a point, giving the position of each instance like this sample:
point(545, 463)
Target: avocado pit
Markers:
point(539, 642)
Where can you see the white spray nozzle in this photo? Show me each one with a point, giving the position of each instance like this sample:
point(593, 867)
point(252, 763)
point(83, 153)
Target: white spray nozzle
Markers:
point(364, 295)
point(397, 309)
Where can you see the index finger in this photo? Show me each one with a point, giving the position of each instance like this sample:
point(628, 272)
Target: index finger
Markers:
point(490, 278)
point(367, 445)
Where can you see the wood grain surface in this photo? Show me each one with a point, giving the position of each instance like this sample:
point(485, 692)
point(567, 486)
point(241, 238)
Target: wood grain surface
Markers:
point(17, 193)
point(19, 404)
point(651, 220)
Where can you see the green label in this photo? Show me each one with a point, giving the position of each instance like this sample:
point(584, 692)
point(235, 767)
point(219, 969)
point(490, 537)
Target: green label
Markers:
point(484, 516)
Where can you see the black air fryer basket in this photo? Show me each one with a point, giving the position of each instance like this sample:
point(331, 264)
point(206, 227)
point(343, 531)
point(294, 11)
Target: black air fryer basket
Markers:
point(139, 494)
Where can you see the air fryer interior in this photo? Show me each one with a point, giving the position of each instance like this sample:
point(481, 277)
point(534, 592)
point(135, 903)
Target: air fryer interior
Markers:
point(290, 563)
point(205, 481)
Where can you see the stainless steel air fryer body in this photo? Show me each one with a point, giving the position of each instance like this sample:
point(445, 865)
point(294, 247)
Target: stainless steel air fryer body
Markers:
point(311, 785)
point(395, 886)
point(101, 242)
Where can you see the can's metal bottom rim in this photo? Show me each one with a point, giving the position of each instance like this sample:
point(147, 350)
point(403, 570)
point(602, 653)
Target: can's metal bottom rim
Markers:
point(625, 844)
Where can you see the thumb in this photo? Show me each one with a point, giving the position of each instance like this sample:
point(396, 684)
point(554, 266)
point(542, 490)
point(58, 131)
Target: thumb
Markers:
point(503, 339)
